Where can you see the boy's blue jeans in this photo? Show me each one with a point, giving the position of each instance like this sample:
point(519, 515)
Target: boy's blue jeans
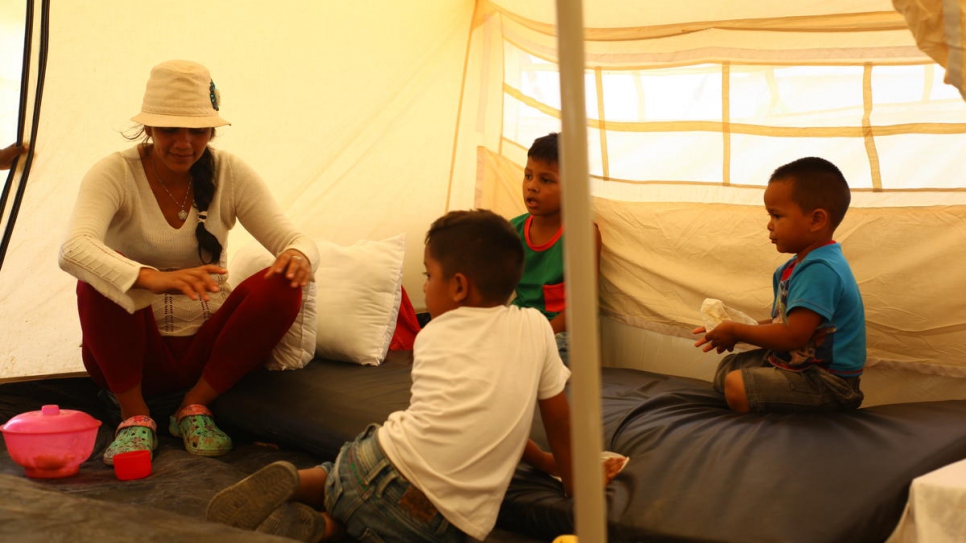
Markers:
point(563, 346)
point(375, 503)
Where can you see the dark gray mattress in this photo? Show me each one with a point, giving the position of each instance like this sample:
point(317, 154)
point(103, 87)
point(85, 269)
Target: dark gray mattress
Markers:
point(698, 472)
point(93, 506)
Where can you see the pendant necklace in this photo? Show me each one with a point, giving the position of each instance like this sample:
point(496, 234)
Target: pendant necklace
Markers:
point(182, 213)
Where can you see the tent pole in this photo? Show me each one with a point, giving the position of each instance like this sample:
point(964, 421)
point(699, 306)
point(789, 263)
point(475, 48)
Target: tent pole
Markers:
point(581, 273)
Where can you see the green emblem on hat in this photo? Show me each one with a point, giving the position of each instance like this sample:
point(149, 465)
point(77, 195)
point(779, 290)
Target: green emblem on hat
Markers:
point(214, 95)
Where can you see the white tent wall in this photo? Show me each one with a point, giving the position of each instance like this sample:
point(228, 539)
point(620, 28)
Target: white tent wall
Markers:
point(689, 225)
point(348, 111)
point(368, 119)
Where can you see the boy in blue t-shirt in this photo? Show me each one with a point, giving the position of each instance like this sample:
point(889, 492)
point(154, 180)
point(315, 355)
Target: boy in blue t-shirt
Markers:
point(813, 349)
point(541, 230)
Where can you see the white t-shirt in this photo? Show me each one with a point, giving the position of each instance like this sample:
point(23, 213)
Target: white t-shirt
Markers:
point(117, 228)
point(477, 375)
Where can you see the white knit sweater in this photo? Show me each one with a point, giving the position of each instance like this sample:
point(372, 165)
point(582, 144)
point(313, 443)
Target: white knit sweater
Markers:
point(117, 228)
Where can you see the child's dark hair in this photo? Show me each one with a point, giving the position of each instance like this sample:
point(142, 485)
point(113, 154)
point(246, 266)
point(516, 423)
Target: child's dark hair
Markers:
point(545, 149)
point(816, 184)
point(481, 245)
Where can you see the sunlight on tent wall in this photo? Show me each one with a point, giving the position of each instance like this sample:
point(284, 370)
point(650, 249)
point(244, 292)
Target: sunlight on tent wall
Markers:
point(687, 120)
point(731, 113)
point(11, 43)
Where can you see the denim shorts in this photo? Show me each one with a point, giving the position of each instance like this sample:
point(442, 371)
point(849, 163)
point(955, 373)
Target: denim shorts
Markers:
point(769, 388)
point(563, 346)
point(375, 503)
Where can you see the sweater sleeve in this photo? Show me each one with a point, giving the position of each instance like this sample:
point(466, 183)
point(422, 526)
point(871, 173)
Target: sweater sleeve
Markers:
point(84, 254)
point(261, 215)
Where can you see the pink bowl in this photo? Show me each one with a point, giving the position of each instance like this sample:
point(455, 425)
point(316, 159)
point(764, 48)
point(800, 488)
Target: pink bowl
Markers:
point(50, 443)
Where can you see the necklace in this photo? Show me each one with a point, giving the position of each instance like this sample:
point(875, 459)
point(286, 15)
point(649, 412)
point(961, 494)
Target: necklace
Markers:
point(182, 213)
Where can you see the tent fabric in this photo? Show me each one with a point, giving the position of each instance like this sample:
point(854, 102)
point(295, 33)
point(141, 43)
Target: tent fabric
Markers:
point(348, 115)
point(939, 26)
point(370, 120)
point(739, 92)
point(677, 229)
point(652, 246)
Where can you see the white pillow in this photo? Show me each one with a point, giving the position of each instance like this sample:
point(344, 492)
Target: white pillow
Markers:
point(358, 297)
point(297, 346)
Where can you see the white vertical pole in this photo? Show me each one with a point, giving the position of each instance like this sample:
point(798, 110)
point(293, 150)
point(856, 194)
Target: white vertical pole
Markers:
point(581, 273)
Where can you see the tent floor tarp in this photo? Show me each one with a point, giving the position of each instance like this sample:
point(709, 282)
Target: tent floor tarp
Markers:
point(94, 506)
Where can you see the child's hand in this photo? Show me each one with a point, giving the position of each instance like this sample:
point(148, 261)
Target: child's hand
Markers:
point(699, 330)
point(722, 338)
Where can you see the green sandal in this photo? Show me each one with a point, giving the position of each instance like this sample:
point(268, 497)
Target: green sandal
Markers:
point(134, 434)
point(196, 427)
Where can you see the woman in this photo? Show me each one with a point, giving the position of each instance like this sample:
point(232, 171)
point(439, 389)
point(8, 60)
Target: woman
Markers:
point(147, 243)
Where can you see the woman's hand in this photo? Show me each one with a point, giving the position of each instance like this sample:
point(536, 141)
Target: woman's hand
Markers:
point(194, 283)
point(294, 266)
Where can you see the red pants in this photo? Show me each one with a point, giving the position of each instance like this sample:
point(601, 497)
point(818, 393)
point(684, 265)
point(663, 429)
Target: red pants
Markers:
point(121, 349)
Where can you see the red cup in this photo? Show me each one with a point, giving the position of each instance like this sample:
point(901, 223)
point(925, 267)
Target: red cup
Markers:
point(132, 465)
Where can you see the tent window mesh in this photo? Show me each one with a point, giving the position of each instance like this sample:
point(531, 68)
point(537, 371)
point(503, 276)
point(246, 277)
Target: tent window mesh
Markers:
point(873, 120)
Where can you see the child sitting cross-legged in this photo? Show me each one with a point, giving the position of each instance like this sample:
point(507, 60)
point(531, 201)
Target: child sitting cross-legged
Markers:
point(437, 471)
point(812, 350)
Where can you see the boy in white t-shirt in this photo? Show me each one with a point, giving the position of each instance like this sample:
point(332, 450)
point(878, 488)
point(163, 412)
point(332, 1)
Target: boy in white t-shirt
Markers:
point(437, 471)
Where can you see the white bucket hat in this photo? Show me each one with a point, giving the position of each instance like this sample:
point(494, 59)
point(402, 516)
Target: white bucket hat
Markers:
point(180, 94)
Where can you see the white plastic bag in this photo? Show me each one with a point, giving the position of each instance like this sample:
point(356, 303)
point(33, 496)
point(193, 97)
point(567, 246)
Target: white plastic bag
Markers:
point(714, 311)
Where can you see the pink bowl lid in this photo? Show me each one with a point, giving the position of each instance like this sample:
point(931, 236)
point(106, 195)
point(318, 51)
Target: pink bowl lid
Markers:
point(50, 420)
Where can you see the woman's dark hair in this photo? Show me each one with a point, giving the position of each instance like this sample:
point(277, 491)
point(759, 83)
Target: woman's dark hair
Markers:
point(203, 178)
point(203, 174)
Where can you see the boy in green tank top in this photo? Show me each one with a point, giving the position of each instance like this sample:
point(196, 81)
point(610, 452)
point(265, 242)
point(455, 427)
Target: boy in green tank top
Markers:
point(541, 230)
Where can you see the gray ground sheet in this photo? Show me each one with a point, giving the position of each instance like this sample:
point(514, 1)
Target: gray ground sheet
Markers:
point(95, 506)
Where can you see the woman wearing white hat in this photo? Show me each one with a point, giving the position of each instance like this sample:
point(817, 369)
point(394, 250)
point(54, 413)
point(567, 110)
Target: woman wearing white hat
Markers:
point(147, 242)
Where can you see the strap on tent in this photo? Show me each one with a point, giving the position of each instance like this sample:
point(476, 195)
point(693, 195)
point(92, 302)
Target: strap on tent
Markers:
point(17, 175)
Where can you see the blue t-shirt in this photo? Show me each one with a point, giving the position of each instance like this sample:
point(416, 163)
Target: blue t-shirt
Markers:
point(823, 283)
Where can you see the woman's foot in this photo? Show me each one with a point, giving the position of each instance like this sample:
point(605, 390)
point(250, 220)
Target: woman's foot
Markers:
point(252, 500)
point(195, 425)
point(137, 433)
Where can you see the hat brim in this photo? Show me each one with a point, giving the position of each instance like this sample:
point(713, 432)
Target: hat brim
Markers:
point(179, 121)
